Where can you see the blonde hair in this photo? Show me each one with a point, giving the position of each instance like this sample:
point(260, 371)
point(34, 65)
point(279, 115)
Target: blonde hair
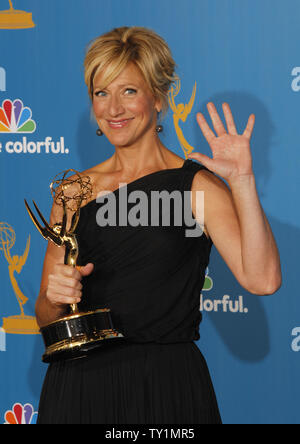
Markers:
point(112, 51)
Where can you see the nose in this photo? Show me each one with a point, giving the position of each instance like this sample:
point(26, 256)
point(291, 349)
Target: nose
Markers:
point(116, 107)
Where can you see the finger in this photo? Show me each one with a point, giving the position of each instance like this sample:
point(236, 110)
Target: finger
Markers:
point(58, 288)
point(229, 119)
point(205, 160)
point(65, 281)
point(87, 269)
point(63, 295)
point(207, 132)
point(67, 270)
point(215, 118)
point(71, 283)
point(68, 288)
point(249, 128)
point(64, 300)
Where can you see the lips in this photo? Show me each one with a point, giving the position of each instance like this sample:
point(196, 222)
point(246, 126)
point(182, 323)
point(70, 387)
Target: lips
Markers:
point(118, 123)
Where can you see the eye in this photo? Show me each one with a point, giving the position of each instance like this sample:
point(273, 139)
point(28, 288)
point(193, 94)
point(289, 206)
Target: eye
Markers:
point(100, 94)
point(131, 91)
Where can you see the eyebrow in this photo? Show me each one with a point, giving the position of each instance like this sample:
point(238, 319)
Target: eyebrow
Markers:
point(120, 86)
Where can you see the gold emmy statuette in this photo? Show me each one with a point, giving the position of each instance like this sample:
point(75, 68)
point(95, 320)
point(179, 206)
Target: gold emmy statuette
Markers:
point(74, 335)
point(181, 112)
point(15, 19)
point(18, 324)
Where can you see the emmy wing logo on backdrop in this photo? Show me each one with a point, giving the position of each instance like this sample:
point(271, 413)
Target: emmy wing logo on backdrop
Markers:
point(18, 324)
point(15, 19)
point(181, 112)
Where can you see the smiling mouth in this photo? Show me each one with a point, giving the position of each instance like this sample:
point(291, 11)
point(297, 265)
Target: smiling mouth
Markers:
point(118, 123)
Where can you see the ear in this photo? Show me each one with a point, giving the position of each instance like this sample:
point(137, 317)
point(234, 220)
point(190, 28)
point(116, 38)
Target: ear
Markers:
point(158, 105)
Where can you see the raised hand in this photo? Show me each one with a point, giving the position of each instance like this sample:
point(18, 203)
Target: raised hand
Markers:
point(231, 151)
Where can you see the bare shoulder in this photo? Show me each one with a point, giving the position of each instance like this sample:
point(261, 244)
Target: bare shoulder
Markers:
point(95, 171)
point(103, 167)
point(215, 189)
point(218, 201)
point(209, 180)
point(102, 178)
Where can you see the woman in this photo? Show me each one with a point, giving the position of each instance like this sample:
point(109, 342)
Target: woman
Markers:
point(151, 276)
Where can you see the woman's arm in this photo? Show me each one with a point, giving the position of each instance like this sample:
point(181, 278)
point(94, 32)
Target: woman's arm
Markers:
point(260, 256)
point(240, 231)
point(234, 216)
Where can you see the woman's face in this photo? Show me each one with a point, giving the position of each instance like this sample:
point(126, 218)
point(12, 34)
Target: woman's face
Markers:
point(126, 109)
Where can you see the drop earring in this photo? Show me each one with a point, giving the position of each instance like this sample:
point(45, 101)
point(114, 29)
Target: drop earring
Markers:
point(99, 132)
point(159, 128)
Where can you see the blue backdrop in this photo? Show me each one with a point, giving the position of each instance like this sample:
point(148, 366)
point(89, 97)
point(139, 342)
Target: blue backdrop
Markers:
point(244, 52)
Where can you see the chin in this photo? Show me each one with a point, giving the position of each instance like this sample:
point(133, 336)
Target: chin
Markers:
point(123, 139)
point(120, 141)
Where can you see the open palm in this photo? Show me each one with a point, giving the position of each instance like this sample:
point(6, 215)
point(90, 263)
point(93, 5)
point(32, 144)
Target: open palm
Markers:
point(231, 151)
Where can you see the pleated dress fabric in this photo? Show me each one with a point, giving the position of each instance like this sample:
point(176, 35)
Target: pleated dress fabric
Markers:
point(151, 277)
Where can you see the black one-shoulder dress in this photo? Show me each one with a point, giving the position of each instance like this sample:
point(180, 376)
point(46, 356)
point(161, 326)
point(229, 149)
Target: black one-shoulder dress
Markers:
point(151, 278)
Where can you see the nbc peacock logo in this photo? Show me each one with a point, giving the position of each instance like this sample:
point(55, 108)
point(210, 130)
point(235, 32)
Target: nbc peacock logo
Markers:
point(16, 118)
point(208, 282)
point(21, 414)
